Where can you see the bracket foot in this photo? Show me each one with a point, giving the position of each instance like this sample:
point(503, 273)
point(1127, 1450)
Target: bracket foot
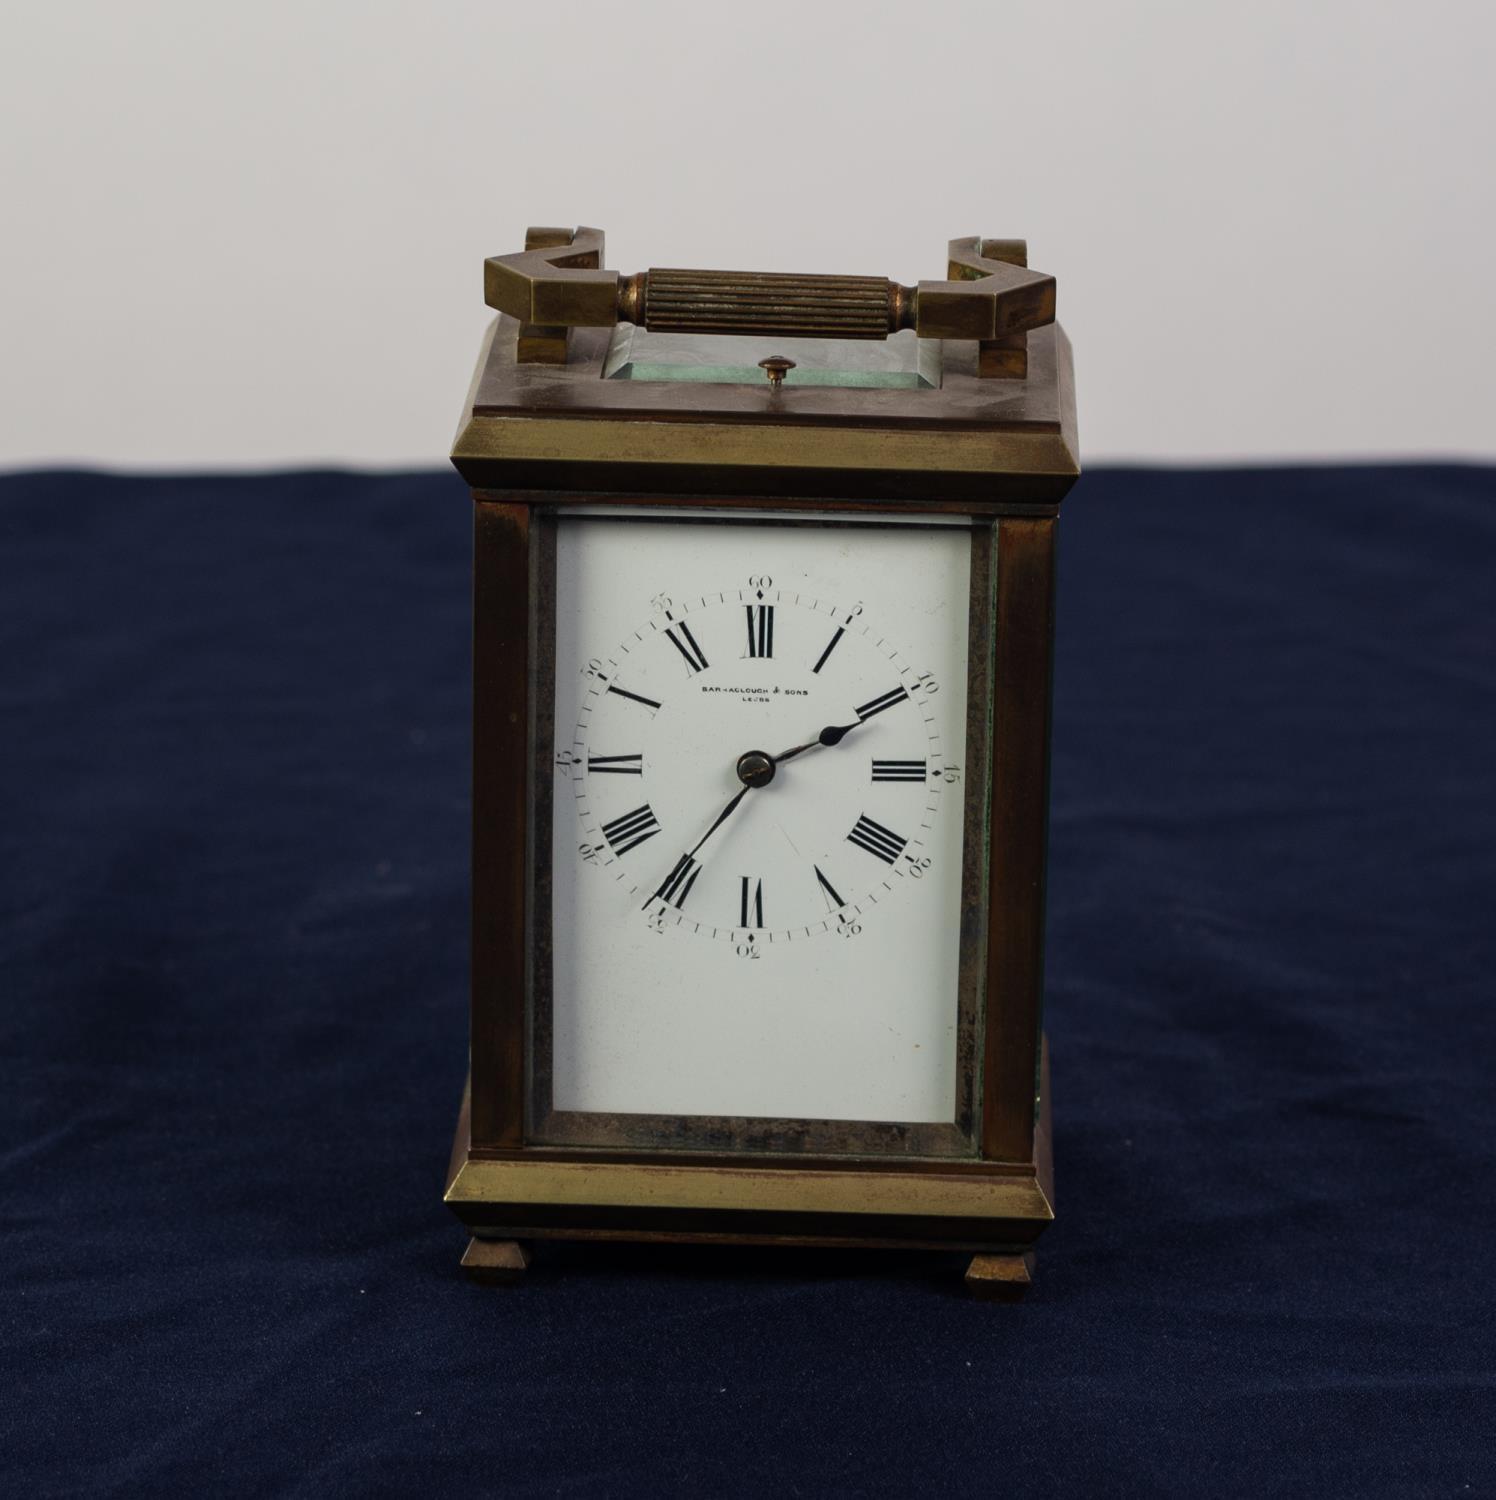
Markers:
point(1000, 1278)
point(496, 1262)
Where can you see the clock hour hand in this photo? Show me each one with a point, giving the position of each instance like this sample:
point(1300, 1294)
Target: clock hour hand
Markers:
point(830, 735)
point(833, 734)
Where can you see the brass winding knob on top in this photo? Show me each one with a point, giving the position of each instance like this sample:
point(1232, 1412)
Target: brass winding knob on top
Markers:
point(776, 367)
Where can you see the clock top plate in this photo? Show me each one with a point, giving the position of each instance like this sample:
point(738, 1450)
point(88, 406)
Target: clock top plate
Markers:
point(1002, 446)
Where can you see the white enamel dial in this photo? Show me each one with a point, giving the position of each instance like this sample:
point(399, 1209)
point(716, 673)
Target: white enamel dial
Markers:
point(757, 828)
point(782, 663)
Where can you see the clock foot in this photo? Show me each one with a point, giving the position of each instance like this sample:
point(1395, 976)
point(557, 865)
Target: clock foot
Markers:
point(496, 1262)
point(1000, 1278)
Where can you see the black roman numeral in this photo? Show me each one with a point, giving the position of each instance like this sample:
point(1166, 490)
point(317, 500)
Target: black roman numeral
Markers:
point(900, 770)
point(687, 647)
point(877, 839)
point(877, 705)
point(833, 896)
point(623, 765)
point(760, 629)
point(677, 884)
point(841, 630)
point(635, 697)
point(753, 902)
point(631, 829)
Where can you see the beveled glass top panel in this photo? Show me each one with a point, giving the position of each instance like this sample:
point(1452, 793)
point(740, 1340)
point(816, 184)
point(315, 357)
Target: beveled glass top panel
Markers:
point(901, 362)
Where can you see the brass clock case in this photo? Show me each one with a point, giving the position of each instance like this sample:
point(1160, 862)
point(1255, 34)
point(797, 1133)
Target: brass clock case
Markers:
point(969, 411)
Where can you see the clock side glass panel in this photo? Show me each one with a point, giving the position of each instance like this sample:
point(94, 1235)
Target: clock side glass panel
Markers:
point(758, 854)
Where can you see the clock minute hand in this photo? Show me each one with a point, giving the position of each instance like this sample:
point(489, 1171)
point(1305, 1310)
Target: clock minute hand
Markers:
point(755, 768)
point(687, 861)
point(722, 817)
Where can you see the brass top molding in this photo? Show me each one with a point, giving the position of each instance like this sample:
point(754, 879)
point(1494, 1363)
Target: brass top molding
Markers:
point(558, 282)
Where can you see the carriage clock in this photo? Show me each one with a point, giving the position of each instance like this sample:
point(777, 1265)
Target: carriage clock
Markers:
point(763, 627)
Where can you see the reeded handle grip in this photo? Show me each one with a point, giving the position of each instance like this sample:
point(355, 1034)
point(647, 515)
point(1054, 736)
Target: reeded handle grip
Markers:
point(811, 307)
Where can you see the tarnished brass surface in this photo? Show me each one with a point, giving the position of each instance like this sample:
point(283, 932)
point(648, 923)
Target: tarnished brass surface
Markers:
point(555, 285)
point(1000, 1278)
point(1018, 834)
point(926, 1194)
point(538, 1193)
point(557, 281)
point(544, 430)
point(539, 427)
point(832, 307)
point(994, 299)
point(501, 748)
point(496, 1262)
point(624, 441)
point(543, 343)
point(1003, 358)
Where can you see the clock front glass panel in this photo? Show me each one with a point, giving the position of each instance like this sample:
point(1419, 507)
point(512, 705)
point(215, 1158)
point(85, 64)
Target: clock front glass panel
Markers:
point(787, 949)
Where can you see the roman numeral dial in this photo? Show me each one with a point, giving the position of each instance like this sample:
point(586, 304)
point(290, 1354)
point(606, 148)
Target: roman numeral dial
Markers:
point(882, 702)
point(778, 738)
point(631, 829)
point(676, 886)
point(833, 896)
point(618, 765)
point(831, 645)
point(679, 635)
point(760, 629)
point(882, 842)
point(900, 770)
point(649, 703)
point(751, 911)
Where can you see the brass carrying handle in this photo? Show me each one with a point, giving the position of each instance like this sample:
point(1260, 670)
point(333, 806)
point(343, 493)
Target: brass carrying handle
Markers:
point(557, 282)
point(807, 307)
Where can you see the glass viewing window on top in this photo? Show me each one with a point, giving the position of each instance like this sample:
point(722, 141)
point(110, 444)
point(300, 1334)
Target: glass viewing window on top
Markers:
point(900, 362)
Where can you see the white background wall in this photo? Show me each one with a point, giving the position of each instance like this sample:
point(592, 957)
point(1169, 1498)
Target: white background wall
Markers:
point(251, 234)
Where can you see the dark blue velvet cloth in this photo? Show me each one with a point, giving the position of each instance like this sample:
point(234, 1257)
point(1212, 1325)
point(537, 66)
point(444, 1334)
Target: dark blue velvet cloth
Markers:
point(233, 878)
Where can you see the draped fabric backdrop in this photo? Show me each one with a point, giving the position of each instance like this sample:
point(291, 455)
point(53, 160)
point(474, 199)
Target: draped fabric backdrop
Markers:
point(233, 884)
